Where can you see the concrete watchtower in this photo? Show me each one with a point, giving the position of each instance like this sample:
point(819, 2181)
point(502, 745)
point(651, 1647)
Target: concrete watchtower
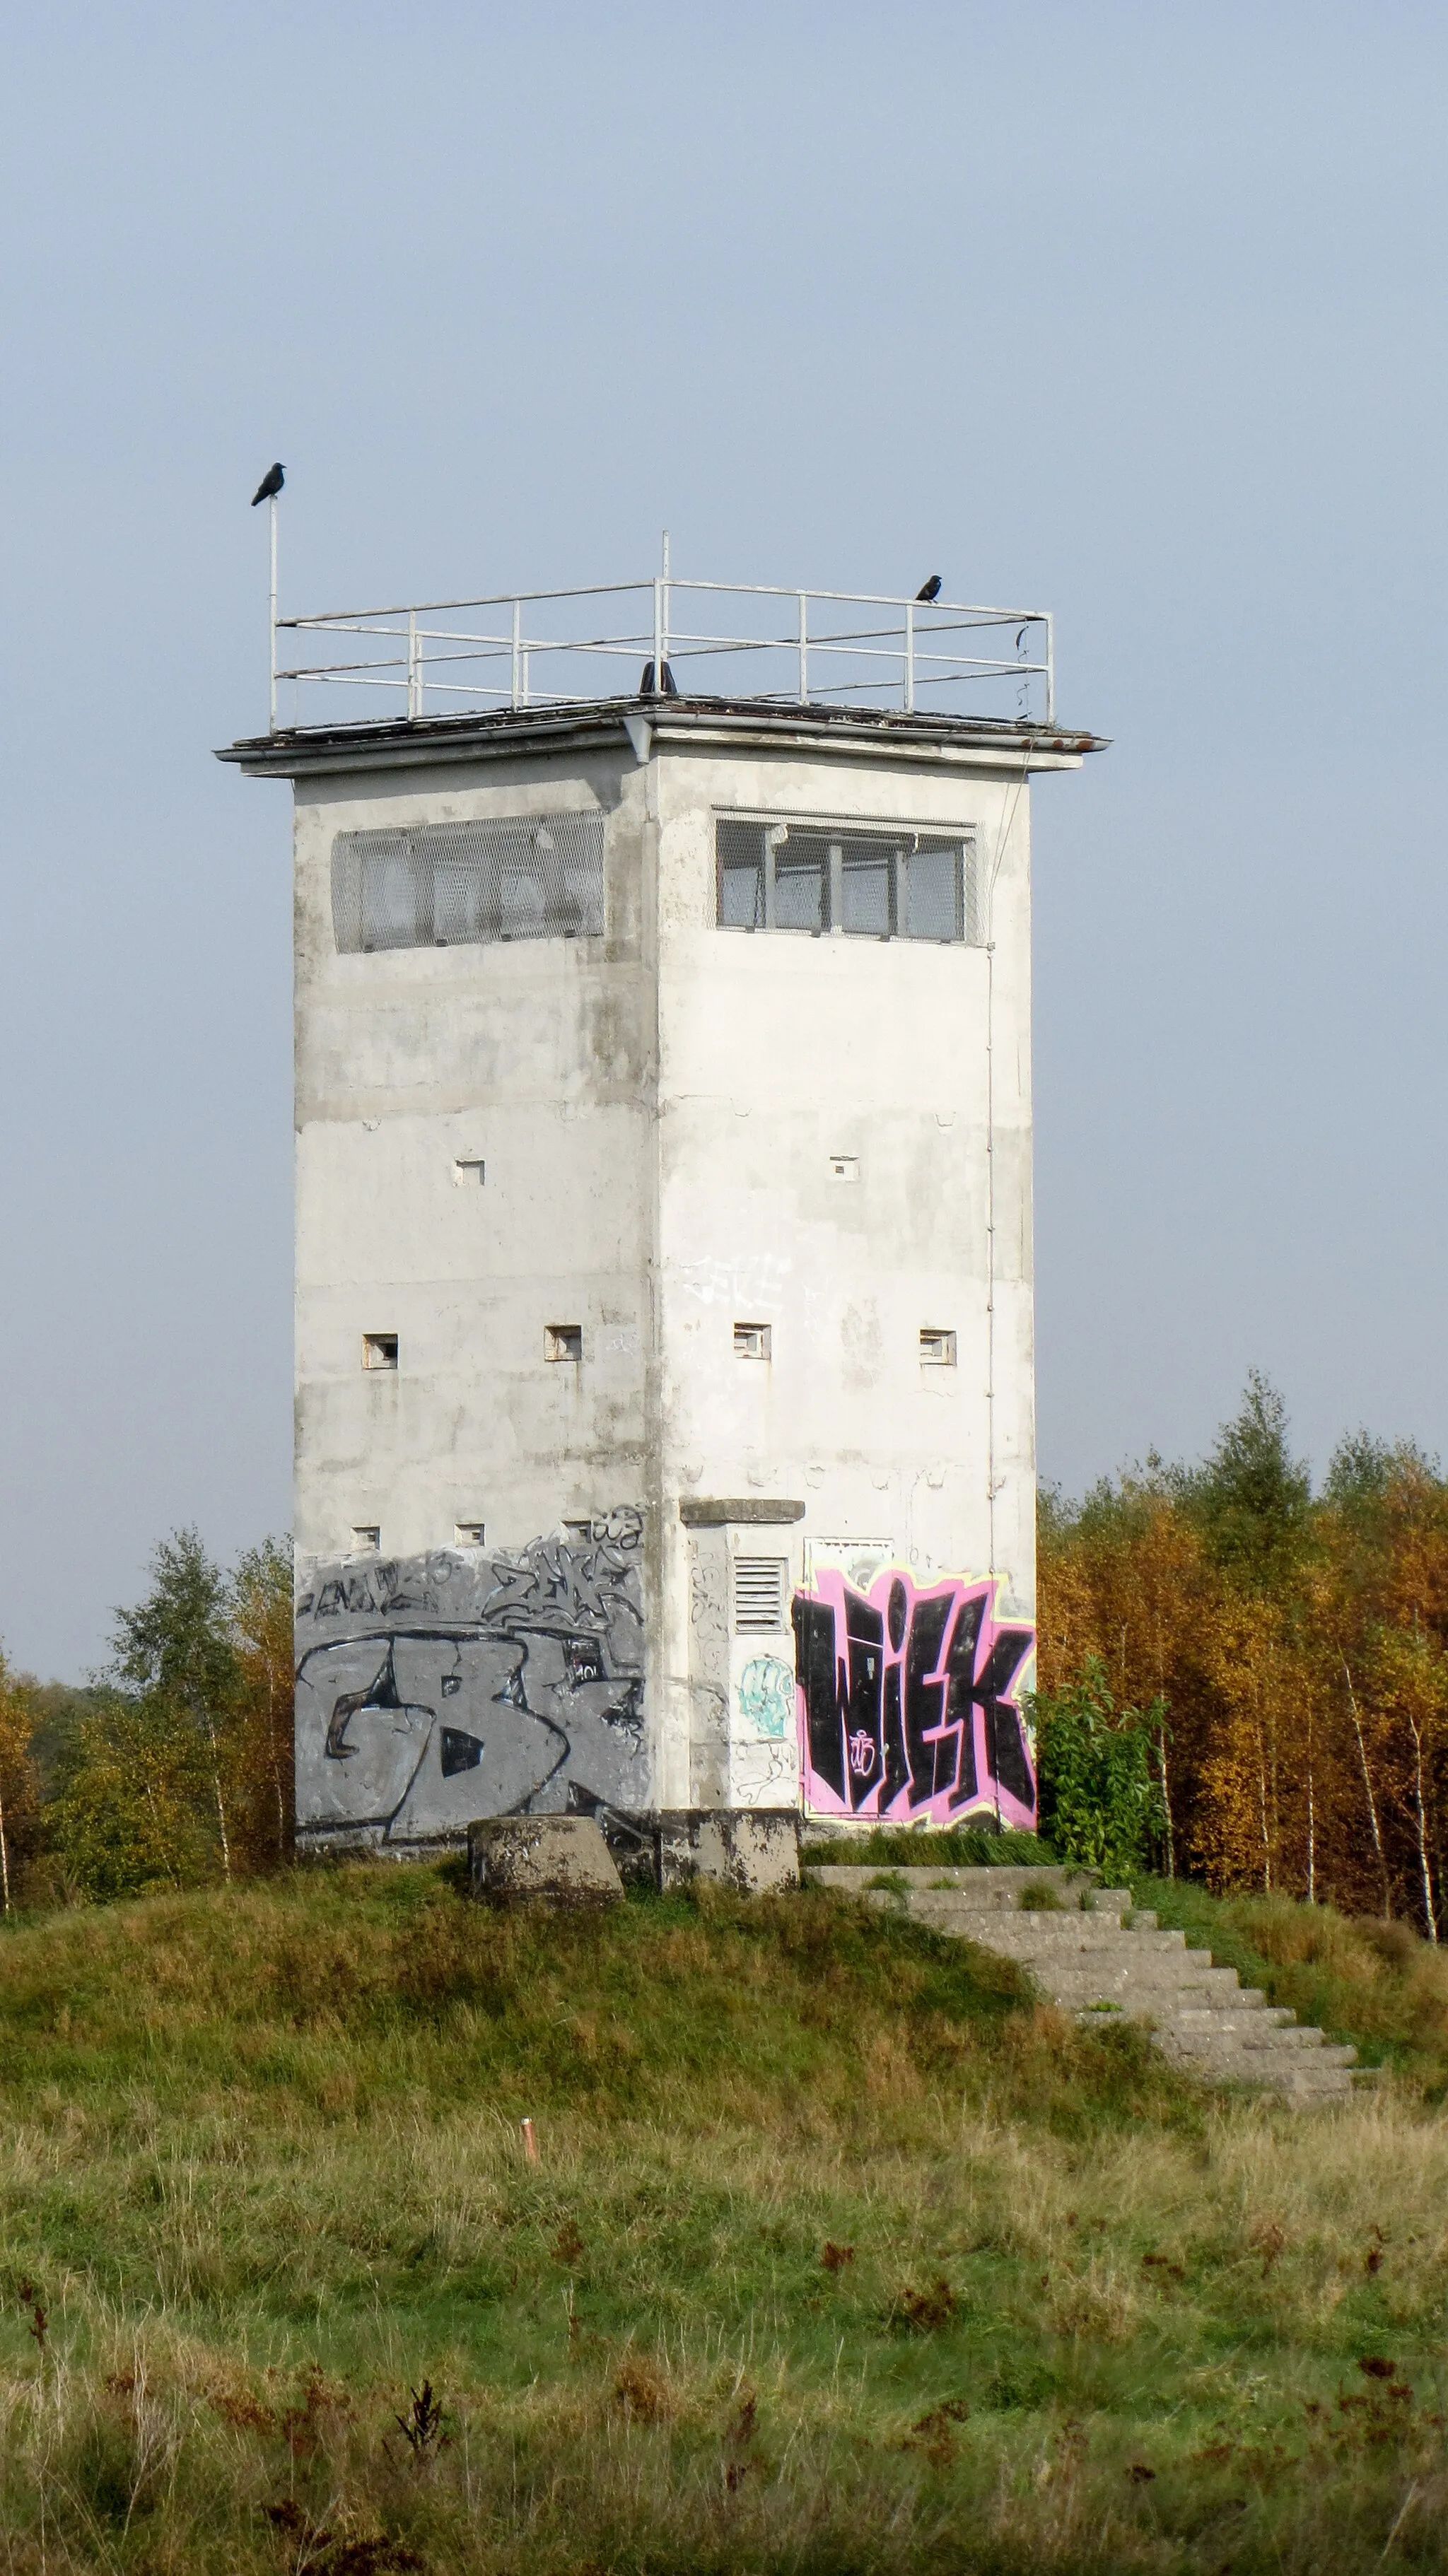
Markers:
point(665, 1402)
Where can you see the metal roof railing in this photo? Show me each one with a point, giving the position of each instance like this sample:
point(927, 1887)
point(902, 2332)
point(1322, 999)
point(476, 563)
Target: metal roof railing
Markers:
point(690, 639)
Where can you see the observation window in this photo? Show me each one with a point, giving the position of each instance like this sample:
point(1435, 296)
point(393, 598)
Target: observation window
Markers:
point(867, 884)
point(448, 885)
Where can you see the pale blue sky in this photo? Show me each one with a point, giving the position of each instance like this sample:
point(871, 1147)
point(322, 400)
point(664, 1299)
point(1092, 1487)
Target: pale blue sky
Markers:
point(1137, 312)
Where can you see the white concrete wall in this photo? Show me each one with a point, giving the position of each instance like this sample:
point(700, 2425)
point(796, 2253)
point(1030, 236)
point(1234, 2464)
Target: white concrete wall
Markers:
point(779, 1052)
point(657, 1111)
point(537, 1058)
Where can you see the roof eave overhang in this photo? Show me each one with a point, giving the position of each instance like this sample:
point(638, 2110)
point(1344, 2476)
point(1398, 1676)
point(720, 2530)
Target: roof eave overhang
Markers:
point(644, 726)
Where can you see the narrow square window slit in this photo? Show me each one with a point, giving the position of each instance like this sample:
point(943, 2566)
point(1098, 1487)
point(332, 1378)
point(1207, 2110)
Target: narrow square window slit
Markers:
point(366, 1538)
point(845, 1167)
point(563, 1342)
point(468, 1533)
point(379, 1350)
point(937, 1347)
point(469, 1172)
point(752, 1341)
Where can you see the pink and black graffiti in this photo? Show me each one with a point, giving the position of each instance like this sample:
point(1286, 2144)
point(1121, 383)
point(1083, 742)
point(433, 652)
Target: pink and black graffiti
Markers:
point(905, 1702)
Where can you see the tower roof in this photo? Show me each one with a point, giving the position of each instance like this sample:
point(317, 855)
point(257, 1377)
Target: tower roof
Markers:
point(694, 724)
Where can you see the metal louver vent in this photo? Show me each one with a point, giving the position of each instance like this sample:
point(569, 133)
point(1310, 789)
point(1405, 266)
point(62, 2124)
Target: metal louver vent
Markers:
point(445, 885)
point(759, 1587)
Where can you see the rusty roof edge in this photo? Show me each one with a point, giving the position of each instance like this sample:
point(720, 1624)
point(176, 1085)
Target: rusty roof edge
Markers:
point(977, 742)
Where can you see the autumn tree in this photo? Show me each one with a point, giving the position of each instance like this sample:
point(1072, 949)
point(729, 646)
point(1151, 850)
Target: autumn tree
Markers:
point(19, 1788)
point(176, 1652)
point(260, 1602)
point(180, 1768)
point(1299, 1643)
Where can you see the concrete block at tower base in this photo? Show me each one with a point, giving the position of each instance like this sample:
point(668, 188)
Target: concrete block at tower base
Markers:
point(563, 1860)
point(751, 1849)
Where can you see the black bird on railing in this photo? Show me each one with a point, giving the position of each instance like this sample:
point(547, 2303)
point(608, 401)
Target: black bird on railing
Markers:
point(928, 589)
point(272, 481)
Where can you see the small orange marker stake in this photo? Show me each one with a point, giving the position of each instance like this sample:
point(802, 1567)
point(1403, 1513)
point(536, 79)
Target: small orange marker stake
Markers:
point(530, 2143)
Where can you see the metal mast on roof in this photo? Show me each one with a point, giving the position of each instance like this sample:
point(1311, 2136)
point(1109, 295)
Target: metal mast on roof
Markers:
point(272, 717)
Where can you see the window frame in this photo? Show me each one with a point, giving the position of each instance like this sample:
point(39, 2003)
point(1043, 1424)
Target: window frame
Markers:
point(843, 848)
point(485, 881)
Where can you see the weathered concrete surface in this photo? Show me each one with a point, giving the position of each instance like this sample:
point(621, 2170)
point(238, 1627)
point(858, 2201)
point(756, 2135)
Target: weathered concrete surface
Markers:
point(433, 1689)
point(561, 1859)
point(654, 1135)
point(748, 1850)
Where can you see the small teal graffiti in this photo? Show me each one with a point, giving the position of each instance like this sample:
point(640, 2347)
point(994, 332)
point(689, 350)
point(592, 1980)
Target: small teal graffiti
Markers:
point(766, 1696)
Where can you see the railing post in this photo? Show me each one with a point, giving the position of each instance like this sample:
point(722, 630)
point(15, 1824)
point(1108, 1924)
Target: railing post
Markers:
point(910, 658)
point(414, 667)
point(272, 716)
point(659, 637)
point(803, 649)
point(517, 650)
point(1050, 668)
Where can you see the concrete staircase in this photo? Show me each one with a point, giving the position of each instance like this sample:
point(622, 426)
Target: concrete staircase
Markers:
point(1073, 1937)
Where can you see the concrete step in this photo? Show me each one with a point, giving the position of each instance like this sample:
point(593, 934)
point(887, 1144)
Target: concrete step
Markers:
point(1279, 2070)
point(1246, 2005)
point(999, 1886)
point(1194, 1985)
point(1006, 1923)
point(1238, 2041)
point(1019, 1935)
point(1086, 1958)
point(1306, 2081)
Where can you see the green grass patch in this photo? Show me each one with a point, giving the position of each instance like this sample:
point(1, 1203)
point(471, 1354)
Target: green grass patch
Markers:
point(838, 2254)
point(904, 1848)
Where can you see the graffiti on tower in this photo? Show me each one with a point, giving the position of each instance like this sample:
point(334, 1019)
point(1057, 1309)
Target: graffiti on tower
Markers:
point(907, 1704)
point(433, 1689)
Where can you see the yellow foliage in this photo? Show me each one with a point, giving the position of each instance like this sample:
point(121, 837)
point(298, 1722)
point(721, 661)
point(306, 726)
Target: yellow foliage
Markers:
point(1307, 1743)
point(19, 1788)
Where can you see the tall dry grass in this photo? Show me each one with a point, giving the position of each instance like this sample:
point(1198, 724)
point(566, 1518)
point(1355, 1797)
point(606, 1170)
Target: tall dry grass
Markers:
point(839, 2254)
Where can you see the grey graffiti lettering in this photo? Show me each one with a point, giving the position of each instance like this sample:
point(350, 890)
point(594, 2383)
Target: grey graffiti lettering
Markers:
point(536, 1657)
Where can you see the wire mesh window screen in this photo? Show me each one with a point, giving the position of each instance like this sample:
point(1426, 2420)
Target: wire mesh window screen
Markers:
point(866, 884)
point(445, 885)
point(759, 1588)
point(868, 873)
point(801, 884)
point(740, 854)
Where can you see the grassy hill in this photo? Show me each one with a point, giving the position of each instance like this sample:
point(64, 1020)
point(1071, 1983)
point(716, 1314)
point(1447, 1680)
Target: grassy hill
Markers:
point(838, 2252)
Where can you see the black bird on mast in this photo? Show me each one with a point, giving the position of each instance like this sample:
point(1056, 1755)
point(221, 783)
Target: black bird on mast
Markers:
point(273, 479)
point(928, 590)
